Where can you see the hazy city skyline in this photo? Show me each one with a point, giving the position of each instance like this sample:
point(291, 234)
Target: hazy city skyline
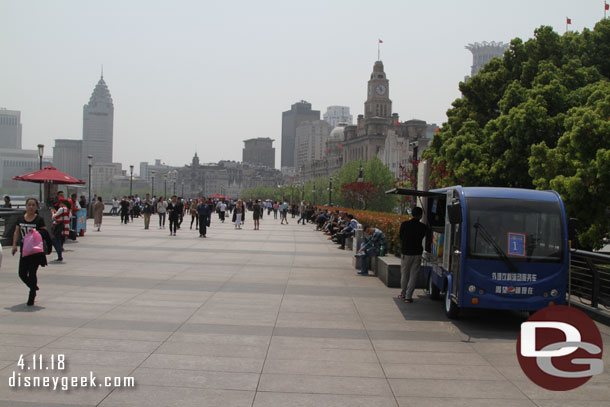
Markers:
point(190, 76)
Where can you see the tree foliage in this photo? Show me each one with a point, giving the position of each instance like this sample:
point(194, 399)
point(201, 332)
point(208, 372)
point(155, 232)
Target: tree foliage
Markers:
point(537, 118)
point(378, 179)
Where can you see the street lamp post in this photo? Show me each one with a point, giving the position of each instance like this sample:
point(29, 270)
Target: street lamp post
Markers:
point(131, 180)
point(40, 152)
point(174, 176)
point(303, 193)
point(165, 188)
point(90, 162)
point(314, 192)
point(183, 189)
point(414, 163)
point(330, 191)
point(153, 184)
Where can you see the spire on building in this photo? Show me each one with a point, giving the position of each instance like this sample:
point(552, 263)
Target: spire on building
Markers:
point(101, 94)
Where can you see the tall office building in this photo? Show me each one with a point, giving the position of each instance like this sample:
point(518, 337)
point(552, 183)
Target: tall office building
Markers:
point(337, 114)
point(259, 151)
point(310, 142)
point(10, 129)
point(98, 119)
point(291, 119)
point(483, 52)
point(67, 157)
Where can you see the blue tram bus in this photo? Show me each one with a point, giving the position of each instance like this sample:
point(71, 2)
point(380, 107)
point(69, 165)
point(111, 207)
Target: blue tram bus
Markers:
point(495, 248)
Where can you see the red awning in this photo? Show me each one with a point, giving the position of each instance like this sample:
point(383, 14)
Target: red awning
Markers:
point(218, 196)
point(48, 175)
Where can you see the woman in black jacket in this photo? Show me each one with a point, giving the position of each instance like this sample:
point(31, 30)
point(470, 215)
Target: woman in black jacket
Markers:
point(28, 265)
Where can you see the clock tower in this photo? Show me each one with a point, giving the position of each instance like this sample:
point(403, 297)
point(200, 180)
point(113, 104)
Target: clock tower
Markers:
point(378, 103)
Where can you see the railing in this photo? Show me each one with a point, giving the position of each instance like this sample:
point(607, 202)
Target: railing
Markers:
point(590, 278)
point(5, 224)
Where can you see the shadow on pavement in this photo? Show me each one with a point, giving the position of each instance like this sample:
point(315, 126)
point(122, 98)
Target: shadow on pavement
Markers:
point(24, 308)
point(472, 323)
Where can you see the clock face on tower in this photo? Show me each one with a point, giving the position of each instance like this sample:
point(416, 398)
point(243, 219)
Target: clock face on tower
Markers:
point(380, 89)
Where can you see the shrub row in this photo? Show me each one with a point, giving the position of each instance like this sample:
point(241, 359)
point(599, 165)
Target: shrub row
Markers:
point(388, 223)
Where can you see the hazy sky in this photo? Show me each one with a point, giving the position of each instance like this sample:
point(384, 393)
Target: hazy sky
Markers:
point(202, 76)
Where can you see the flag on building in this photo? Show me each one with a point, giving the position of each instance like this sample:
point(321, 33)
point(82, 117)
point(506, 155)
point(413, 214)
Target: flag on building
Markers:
point(380, 41)
point(568, 20)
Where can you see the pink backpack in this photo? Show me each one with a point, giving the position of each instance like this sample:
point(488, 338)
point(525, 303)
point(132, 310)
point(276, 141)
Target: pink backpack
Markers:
point(32, 244)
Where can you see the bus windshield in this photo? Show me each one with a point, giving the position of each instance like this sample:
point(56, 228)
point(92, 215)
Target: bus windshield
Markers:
point(520, 230)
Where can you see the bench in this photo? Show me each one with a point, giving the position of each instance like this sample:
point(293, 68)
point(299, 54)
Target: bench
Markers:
point(349, 243)
point(372, 264)
point(388, 270)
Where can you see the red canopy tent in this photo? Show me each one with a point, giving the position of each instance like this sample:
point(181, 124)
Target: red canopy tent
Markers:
point(218, 196)
point(49, 175)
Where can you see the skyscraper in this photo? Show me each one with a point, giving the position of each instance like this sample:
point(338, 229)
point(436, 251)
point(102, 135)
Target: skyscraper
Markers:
point(483, 52)
point(98, 119)
point(10, 129)
point(310, 142)
point(259, 151)
point(337, 114)
point(291, 119)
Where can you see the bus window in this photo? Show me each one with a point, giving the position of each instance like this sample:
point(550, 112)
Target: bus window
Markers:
point(522, 230)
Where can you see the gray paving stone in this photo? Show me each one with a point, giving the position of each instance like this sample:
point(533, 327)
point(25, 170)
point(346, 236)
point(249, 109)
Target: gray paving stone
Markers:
point(489, 389)
point(197, 379)
point(324, 384)
point(163, 396)
point(272, 399)
point(204, 363)
point(323, 368)
point(462, 402)
point(270, 318)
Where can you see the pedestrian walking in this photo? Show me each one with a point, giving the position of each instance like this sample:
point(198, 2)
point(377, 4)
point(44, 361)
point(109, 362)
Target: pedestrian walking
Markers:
point(147, 211)
point(29, 231)
point(256, 214)
point(125, 205)
point(61, 228)
point(284, 213)
point(98, 213)
point(194, 214)
point(174, 209)
point(204, 212)
point(161, 211)
point(115, 207)
point(238, 212)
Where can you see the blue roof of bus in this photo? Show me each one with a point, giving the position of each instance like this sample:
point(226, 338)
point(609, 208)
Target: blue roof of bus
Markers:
point(508, 193)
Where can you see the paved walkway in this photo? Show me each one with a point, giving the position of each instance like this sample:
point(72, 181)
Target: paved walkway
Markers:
point(276, 317)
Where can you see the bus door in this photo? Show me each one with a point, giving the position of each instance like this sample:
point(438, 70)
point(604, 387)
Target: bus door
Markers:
point(453, 233)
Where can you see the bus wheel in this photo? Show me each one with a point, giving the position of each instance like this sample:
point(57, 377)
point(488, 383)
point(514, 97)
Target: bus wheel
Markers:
point(432, 289)
point(451, 308)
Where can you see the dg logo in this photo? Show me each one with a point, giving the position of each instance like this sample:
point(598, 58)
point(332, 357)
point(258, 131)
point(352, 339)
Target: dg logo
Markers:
point(560, 348)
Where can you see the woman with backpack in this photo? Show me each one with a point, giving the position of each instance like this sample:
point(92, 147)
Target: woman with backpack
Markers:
point(29, 231)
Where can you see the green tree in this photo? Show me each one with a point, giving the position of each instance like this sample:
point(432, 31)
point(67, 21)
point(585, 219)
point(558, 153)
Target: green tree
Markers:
point(579, 166)
point(375, 173)
point(529, 119)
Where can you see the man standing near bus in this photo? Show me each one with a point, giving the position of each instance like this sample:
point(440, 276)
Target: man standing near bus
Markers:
point(412, 233)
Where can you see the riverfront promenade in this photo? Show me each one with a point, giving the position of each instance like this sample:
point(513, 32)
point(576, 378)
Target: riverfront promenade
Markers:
point(275, 317)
